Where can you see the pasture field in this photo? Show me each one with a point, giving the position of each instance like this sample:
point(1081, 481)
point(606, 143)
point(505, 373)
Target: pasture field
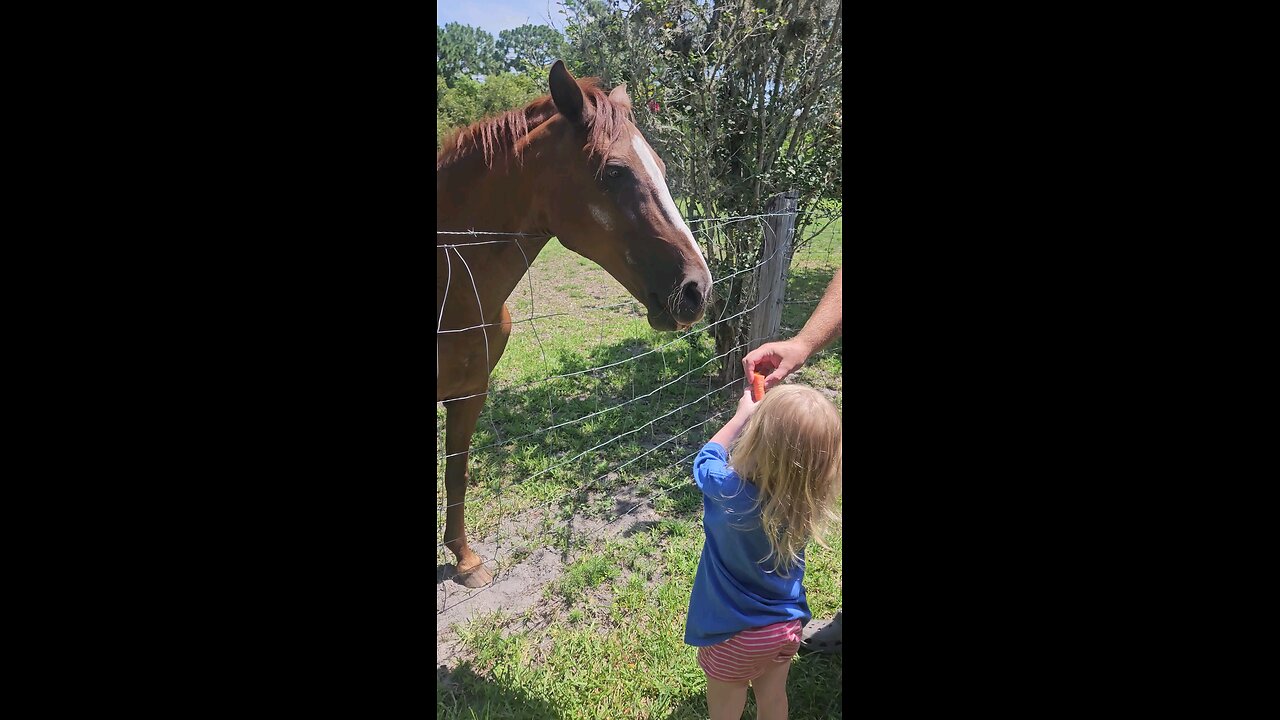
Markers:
point(606, 500)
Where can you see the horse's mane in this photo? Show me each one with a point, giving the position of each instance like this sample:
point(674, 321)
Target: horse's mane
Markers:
point(605, 121)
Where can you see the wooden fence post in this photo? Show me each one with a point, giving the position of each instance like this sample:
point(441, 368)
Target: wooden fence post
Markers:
point(771, 276)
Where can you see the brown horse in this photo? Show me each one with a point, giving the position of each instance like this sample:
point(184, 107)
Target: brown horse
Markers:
point(573, 165)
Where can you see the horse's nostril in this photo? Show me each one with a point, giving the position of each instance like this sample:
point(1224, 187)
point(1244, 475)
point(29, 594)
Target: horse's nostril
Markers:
point(692, 294)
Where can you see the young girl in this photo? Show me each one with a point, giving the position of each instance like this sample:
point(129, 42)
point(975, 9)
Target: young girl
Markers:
point(748, 602)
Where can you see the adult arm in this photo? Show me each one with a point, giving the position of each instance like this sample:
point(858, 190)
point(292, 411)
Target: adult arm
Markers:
point(782, 358)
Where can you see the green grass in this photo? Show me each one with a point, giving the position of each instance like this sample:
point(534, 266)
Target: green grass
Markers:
point(589, 572)
point(619, 651)
point(605, 639)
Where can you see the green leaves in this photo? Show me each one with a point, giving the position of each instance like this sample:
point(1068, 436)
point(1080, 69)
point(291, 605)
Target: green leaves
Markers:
point(531, 49)
point(471, 77)
point(464, 51)
point(468, 100)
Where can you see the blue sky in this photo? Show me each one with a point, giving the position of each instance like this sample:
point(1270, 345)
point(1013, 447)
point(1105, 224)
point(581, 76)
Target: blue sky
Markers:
point(494, 16)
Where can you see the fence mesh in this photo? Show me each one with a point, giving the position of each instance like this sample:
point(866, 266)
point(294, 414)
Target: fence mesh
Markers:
point(592, 417)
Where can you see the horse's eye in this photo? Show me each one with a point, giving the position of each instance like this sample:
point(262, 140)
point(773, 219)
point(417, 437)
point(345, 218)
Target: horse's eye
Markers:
point(613, 173)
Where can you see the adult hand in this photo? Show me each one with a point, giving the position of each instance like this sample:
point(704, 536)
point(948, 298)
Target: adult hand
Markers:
point(778, 359)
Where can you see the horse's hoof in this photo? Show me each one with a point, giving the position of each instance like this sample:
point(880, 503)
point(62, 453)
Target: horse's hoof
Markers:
point(477, 576)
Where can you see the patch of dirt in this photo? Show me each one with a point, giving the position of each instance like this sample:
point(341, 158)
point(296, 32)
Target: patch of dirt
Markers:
point(517, 589)
point(512, 591)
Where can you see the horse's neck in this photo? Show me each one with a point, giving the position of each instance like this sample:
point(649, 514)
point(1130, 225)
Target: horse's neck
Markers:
point(488, 273)
point(471, 196)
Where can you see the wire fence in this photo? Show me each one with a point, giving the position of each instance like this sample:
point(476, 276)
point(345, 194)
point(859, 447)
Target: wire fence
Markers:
point(524, 477)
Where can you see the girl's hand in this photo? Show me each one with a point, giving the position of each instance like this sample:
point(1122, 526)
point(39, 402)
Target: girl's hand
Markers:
point(747, 406)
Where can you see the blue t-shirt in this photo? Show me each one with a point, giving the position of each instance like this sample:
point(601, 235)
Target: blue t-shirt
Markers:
point(732, 591)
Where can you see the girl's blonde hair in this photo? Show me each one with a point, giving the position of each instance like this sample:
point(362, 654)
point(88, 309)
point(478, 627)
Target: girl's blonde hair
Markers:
point(791, 451)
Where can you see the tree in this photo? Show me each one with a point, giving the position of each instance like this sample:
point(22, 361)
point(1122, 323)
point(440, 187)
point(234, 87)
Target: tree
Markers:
point(597, 43)
point(530, 48)
point(470, 82)
point(465, 51)
point(468, 100)
point(748, 98)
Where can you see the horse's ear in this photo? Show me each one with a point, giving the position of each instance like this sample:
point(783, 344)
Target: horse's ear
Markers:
point(620, 96)
point(565, 92)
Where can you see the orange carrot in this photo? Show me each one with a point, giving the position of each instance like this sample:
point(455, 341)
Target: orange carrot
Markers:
point(757, 387)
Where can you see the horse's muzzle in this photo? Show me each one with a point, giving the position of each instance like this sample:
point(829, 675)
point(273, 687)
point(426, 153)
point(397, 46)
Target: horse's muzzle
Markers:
point(691, 303)
point(680, 310)
point(660, 318)
point(664, 323)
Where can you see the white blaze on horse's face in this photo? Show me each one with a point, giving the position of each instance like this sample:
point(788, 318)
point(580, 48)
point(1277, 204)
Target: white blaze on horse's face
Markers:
point(655, 179)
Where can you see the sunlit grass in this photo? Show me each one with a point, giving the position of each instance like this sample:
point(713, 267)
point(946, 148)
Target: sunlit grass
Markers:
point(609, 641)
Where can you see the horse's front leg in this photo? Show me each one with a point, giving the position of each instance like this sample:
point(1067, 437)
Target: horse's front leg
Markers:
point(459, 426)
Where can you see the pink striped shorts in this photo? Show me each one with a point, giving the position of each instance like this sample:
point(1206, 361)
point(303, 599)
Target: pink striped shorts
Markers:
point(747, 655)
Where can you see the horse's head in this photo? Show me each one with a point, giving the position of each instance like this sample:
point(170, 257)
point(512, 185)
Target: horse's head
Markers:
point(608, 201)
